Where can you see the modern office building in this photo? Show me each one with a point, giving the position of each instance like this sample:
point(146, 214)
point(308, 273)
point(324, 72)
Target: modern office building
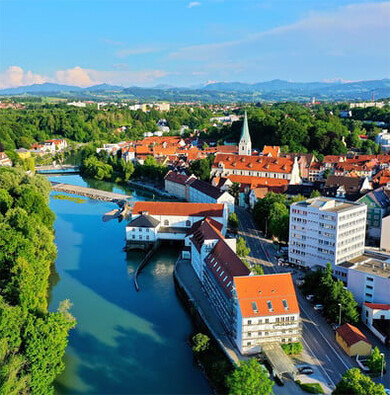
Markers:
point(326, 230)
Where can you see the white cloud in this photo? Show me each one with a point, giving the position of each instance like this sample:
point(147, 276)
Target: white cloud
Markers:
point(194, 4)
point(76, 76)
point(347, 26)
point(15, 76)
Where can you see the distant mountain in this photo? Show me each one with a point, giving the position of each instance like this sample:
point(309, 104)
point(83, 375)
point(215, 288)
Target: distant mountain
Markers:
point(40, 88)
point(275, 90)
point(104, 87)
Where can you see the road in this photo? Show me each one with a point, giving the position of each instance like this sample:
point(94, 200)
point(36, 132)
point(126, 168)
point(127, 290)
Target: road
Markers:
point(318, 337)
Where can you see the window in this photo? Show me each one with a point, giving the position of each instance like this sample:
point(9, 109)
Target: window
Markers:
point(269, 304)
point(147, 229)
point(370, 279)
point(265, 333)
point(249, 322)
point(254, 307)
point(260, 333)
point(369, 295)
point(266, 321)
point(260, 321)
point(249, 334)
point(285, 305)
point(248, 343)
point(147, 237)
point(166, 222)
point(188, 223)
point(133, 237)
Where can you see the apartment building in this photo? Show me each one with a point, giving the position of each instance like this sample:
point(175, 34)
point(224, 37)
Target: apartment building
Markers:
point(254, 310)
point(326, 230)
point(267, 311)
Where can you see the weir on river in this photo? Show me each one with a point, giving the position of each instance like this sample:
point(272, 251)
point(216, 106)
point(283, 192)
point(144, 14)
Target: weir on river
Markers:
point(92, 193)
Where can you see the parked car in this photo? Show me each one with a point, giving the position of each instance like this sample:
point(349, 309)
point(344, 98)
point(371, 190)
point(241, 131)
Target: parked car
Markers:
point(319, 307)
point(310, 298)
point(305, 370)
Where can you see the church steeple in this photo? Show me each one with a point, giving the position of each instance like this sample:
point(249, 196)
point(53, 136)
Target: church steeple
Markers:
point(245, 144)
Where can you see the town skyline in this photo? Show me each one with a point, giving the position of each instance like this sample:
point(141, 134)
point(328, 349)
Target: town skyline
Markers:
point(185, 43)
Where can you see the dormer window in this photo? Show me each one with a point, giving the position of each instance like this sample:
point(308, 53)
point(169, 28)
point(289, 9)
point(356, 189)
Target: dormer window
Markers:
point(269, 305)
point(285, 305)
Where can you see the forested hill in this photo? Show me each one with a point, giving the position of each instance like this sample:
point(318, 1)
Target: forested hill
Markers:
point(297, 128)
point(276, 90)
point(32, 340)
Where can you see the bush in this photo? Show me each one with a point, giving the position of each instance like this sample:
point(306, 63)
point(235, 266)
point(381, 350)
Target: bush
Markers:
point(200, 342)
point(292, 348)
point(312, 388)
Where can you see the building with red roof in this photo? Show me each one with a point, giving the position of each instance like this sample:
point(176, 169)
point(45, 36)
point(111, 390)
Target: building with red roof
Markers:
point(267, 311)
point(353, 340)
point(152, 221)
point(376, 316)
point(256, 166)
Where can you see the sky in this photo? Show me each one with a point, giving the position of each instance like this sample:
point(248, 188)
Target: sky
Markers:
point(189, 43)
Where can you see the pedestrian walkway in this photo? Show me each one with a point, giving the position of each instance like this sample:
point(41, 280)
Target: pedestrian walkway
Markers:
point(188, 280)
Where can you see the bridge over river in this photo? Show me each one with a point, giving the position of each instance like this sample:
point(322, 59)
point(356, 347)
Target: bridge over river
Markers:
point(90, 192)
point(57, 169)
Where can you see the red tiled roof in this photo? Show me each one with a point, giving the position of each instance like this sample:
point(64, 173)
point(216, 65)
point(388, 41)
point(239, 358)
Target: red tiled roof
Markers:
point(271, 150)
point(179, 209)
point(227, 149)
point(205, 229)
point(224, 264)
point(272, 288)
point(351, 334)
point(254, 163)
point(378, 306)
point(334, 158)
point(178, 178)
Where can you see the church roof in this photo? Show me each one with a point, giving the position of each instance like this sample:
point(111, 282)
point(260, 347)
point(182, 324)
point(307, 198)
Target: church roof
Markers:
point(245, 136)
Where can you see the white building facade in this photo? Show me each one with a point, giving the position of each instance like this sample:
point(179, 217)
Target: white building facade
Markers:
point(326, 230)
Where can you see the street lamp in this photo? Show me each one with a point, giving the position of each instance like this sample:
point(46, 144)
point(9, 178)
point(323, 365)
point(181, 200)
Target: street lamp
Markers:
point(339, 314)
point(383, 360)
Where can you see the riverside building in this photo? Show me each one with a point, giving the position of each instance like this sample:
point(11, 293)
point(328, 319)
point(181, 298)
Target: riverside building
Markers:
point(254, 310)
point(152, 221)
point(326, 230)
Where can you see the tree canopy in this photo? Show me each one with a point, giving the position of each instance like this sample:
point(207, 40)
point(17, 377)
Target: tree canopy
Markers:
point(249, 378)
point(32, 340)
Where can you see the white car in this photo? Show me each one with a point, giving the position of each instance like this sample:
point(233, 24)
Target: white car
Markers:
point(319, 307)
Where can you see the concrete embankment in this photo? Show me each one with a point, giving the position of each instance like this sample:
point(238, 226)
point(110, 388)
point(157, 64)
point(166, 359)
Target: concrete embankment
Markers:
point(144, 262)
point(188, 282)
point(149, 188)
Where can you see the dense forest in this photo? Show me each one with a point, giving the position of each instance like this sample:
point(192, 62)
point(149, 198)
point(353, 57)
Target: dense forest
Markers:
point(21, 128)
point(295, 127)
point(32, 340)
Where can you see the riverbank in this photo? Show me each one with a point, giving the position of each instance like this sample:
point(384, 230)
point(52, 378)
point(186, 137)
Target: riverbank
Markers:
point(150, 188)
point(126, 341)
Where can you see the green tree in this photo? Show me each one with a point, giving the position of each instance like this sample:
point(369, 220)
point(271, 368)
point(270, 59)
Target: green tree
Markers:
point(249, 378)
point(200, 342)
point(241, 248)
point(315, 194)
point(5, 201)
point(354, 382)
point(201, 168)
point(279, 221)
point(234, 190)
point(232, 220)
point(375, 361)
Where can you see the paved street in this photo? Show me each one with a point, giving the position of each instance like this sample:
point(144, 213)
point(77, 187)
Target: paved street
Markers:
point(318, 338)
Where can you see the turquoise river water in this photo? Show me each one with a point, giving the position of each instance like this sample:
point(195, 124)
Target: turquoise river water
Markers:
point(125, 342)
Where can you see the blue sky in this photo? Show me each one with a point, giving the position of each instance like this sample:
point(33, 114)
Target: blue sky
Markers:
point(185, 43)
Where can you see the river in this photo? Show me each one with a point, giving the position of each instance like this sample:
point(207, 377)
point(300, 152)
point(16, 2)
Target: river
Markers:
point(125, 342)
